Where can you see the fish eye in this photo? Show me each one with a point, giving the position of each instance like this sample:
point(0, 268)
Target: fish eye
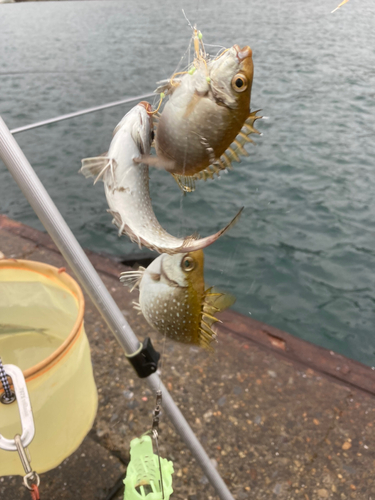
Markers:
point(187, 263)
point(239, 83)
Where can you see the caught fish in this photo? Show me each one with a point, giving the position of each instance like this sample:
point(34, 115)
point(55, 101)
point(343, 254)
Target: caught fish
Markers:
point(207, 119)
point(126, 185)
point(173, 299)
point(10, 329)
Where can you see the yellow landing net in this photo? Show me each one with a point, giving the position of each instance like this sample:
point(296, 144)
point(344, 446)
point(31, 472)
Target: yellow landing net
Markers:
point(41, 331)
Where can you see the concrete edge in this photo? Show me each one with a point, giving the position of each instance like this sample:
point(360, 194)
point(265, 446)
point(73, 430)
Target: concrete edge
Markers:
point(329, 363)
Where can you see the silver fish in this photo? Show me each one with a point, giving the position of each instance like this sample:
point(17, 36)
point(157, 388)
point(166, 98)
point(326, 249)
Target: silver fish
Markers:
point(126, 185)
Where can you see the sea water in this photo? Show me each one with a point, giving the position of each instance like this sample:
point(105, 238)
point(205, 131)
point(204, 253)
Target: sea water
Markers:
point(302, 256)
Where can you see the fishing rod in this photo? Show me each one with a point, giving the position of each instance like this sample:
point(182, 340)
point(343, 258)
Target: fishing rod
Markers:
point(39, 199)
point(80, 113)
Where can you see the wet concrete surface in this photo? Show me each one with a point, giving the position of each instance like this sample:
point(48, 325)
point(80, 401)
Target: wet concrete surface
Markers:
point(273, 427)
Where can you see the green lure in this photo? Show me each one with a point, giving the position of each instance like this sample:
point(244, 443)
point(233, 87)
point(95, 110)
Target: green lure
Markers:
point(143, 475)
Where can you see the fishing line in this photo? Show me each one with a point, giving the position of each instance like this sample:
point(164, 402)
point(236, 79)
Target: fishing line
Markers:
point(161, 360)
point(184, 69)
point(185, 16)
point(221, 51)
point(214, 45)
point(187, 52)
point(181, 209)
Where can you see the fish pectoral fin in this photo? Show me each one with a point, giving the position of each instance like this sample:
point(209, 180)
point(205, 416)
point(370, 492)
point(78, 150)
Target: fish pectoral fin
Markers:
point(132, 279)
point(156, 161)
point(95, 167)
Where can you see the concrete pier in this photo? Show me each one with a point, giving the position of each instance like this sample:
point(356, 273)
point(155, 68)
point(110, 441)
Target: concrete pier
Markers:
point(280, 417)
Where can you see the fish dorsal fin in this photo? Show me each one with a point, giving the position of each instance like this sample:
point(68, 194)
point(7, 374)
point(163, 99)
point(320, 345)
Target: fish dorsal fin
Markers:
point(206, 333)
point(233, 153)
point(167, 87)
point(132, 279)
point(189, 240)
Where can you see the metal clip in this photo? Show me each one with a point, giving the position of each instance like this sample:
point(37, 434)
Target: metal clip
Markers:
point(8, 396)
point(24, 408)
point(31, 476)
point(155, 433)
point(156, 414)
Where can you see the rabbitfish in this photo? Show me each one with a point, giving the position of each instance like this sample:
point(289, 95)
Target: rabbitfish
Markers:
point(126, 186)
point(173, 299)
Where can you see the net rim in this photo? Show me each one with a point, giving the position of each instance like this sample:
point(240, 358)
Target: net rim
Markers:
point(59, 277)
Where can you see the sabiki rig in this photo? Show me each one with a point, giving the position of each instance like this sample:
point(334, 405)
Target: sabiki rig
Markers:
point(173, 298)
point(207, 120)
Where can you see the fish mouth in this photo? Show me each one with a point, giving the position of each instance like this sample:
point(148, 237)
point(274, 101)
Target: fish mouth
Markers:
point(243, 53)
point(146, 105)
point(166, 277)
point(148, 109)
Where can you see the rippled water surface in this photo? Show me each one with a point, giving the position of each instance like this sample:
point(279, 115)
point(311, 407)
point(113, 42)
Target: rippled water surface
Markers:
point(302, 257)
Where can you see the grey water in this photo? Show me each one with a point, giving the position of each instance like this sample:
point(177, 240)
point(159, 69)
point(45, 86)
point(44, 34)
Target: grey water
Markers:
point(302, 257)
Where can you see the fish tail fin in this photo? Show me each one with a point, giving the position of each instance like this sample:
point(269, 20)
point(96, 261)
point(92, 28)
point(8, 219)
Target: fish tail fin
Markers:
point(96, 167)
point(233, 222)
point(216, 299)
point(185, 183)
point(192, 243)
point(132, 279)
